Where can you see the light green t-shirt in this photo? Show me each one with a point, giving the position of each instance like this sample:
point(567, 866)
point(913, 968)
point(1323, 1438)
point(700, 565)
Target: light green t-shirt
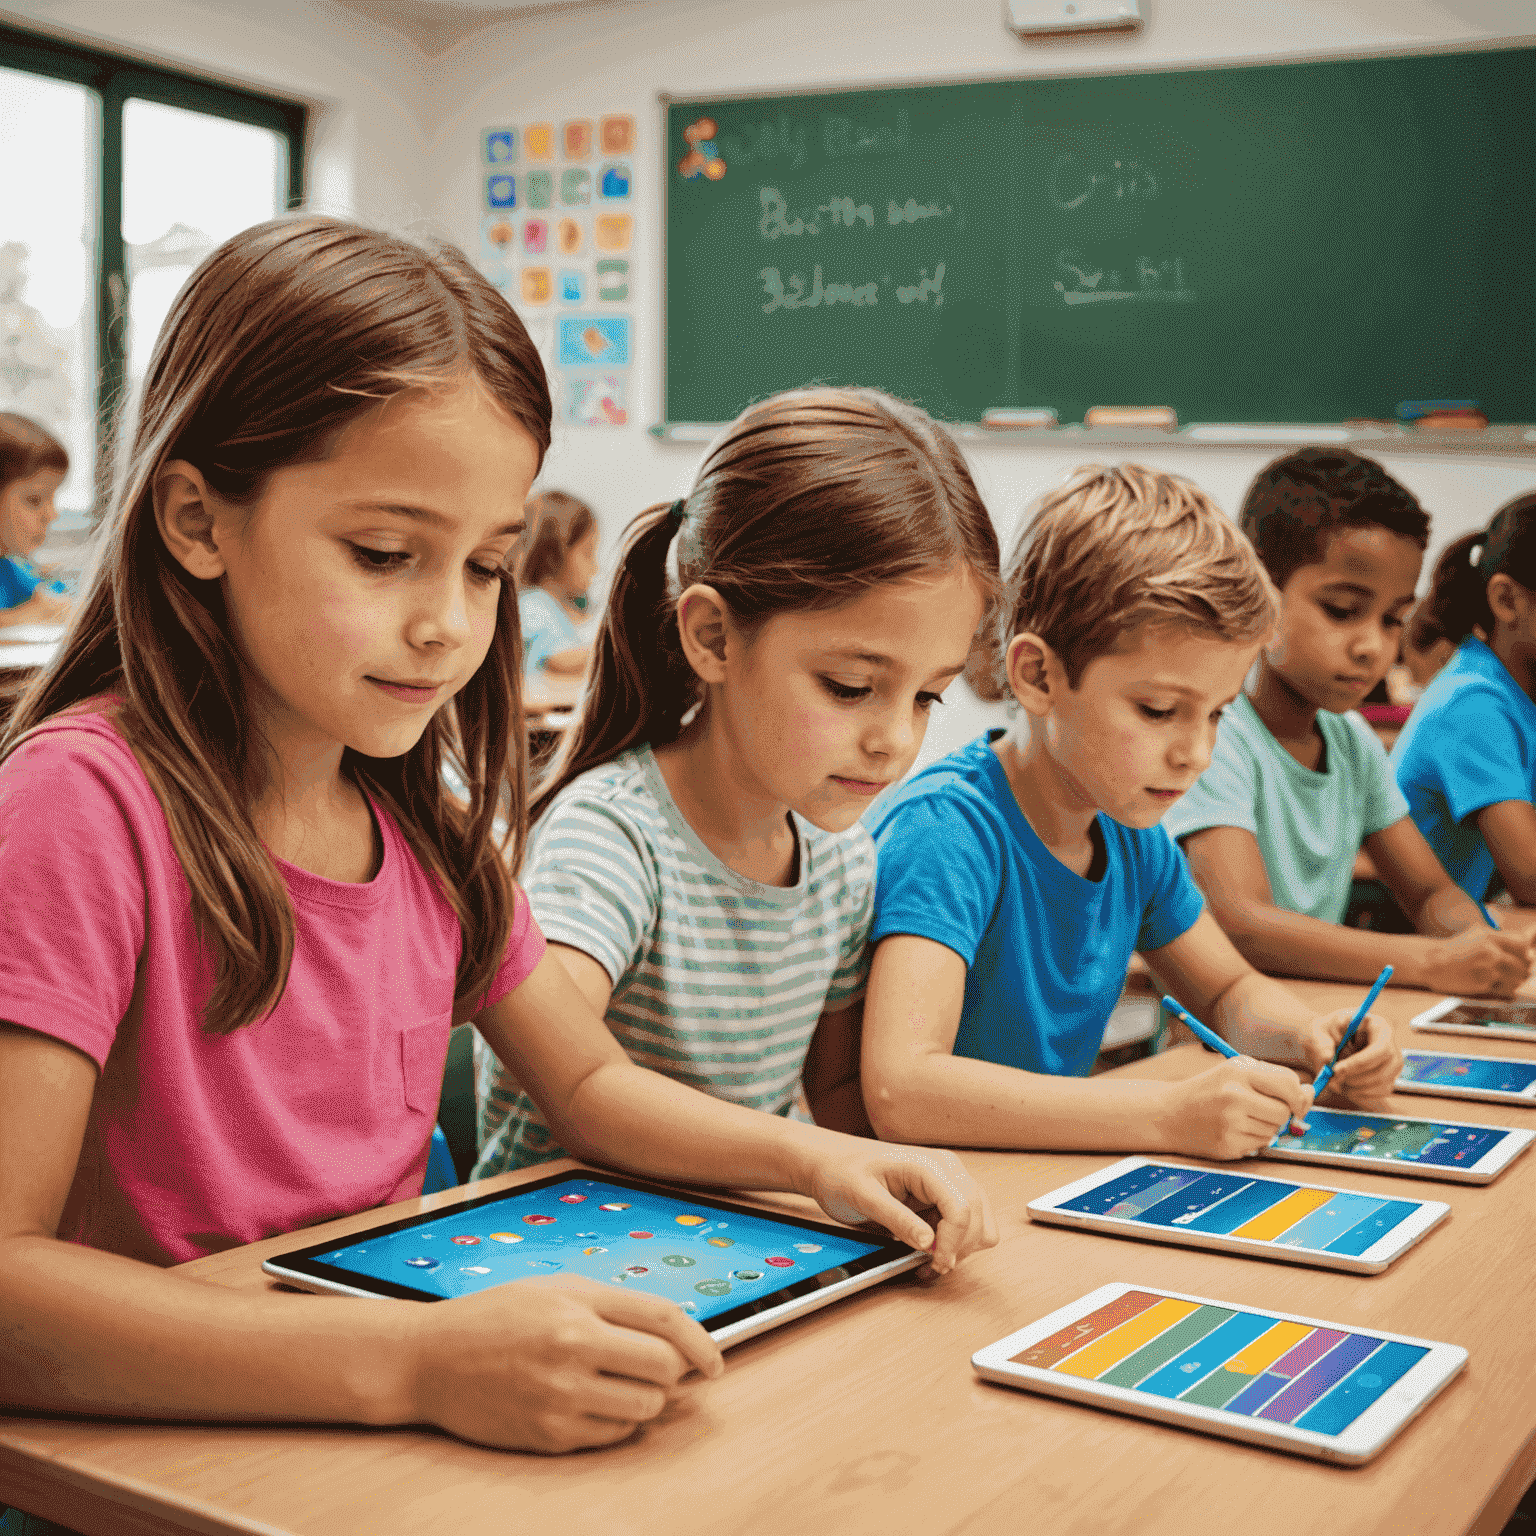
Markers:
point(718, 981)
point(1309, 824)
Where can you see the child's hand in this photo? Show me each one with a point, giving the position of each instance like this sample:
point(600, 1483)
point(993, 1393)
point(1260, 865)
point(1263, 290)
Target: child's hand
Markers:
point(1236, 1108)
point(1369, 1067)
point(552, 1364)
point(43, 607)
point(874, 1181)
point(1478, 962)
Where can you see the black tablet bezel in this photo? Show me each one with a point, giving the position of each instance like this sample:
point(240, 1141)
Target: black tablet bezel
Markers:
point(303, 1261)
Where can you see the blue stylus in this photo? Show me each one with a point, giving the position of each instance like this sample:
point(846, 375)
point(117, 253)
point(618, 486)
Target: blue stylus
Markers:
point(1209, 1036)
point(1321, 1080)
point(1487, 916)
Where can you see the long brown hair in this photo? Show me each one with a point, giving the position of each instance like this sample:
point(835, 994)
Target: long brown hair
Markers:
point(27, 446)
point(557, 523)
point(809, 499)
point(1458, 591)
point(284, 335)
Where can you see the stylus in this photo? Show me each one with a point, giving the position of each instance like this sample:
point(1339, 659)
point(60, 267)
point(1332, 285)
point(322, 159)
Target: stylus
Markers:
point(1487, 916)
point(1321, 1081)
point(1209, 1036)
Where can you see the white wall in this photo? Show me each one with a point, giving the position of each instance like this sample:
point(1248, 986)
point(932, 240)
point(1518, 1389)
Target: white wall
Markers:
point(606, 60)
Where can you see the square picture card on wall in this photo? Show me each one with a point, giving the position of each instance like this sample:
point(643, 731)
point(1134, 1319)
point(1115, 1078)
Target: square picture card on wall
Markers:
point(594, 340)
point(595, 400)
point(498, 146)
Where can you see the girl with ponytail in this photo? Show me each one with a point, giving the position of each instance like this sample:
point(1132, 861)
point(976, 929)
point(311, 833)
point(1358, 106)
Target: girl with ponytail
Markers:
point(1467, 757)
point(771, 649)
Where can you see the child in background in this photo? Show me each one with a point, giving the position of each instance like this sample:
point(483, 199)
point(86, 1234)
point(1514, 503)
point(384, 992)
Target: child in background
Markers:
point(1018, 875)
point(1467, 757)
point(33, 464)
point(242, 912)
point(770, 654)
point(555, 575)
point(1298, 781)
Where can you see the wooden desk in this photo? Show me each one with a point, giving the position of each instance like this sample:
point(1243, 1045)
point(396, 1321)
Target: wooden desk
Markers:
point(867, 1417)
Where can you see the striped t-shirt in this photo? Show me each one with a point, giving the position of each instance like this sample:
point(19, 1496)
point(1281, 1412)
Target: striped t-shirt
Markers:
point(718, 981)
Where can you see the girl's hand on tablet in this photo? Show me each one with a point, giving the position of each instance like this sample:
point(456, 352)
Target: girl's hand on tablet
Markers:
point(1369, 1067)
point(1478, 962)
point(1234, 1109)
point(552, 1364)
point(872, 1181)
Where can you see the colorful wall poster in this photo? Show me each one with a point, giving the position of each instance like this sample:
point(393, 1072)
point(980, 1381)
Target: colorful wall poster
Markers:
point(586, 340)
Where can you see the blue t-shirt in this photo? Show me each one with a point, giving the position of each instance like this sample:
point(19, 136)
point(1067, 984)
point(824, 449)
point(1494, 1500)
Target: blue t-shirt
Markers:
point(1469, 743)
point(1045, 949)
point(547, 629)
point(18, 580)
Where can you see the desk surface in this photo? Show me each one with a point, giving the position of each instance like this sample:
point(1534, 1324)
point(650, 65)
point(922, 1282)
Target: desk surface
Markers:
point(868, 1417)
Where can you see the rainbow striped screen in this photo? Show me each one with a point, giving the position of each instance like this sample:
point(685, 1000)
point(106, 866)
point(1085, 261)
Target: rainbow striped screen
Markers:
point(1319, 1379)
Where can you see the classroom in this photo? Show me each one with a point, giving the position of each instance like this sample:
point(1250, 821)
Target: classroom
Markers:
point(610, 267)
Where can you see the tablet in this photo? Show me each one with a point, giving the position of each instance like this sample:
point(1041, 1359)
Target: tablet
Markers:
point(738, 1271)
point(1327, 1390)
point(1242, 1213)
point(1431, 1149)
point(1513, 1019)
point(1498, 1078)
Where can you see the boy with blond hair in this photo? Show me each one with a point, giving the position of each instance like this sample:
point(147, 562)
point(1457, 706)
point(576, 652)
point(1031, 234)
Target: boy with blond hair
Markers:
point(1017, 876)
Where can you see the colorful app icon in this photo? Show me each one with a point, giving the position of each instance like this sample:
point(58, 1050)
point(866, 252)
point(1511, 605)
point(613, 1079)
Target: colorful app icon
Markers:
point(639, 1233)
point(589, 339)
point(535, 236)
point(545, 1264)
point(779, 1261)
point(746, 1275)
point(572, 1199)
point(474, 1269)
point(506, 1237)
point(679, 1261)
point(713, 1287)
point(569, 236)
point(576, 187)
point(540, 188)
point(465, 1241)
point(614, 231)
point(573, 286)
point(807, 1247)
point(721, 1242)
point(537, 285)
point(691, 1221)
point(637, 1269)
point(617, 135)
point(615, 1205)
point(539, 141)
point(613, 180)
point(539, 1221)
point(500, 191)
point(593, 1249)
point(498, 146)
point(422, 1263)
point(613, 281)
point(578, 138)
point(498, 235)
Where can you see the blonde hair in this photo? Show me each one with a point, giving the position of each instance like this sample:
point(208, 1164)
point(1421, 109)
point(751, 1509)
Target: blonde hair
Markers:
point(1116, 548)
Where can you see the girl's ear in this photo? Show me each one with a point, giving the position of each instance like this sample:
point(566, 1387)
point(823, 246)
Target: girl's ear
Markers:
point(703, 622)
point(1030, 666)
point(184, 515)
point(1508, 601)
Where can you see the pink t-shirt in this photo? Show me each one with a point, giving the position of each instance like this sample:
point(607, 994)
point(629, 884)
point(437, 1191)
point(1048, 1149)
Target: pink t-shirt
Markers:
point(199, 1142)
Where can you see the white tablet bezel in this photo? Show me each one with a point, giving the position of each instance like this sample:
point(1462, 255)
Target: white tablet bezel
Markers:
point(1526, 1095)
point(1376, 1258)
point(725, 1334)
point(1360, 1441)
point(1488, 1167)
point(1432, 1019)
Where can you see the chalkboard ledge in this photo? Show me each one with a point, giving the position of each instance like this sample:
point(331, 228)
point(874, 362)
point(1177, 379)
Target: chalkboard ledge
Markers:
point(1501, 440)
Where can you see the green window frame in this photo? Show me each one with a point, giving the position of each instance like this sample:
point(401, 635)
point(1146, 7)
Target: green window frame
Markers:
point(115, 80)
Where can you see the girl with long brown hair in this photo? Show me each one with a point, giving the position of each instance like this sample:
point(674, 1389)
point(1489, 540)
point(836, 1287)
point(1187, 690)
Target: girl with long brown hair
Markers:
point(242, 909)
point(771, 651)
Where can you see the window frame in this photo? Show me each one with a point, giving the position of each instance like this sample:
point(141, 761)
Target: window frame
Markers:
point(116, 78)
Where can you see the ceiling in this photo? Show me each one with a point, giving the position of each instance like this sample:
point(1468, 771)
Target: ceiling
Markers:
point(437, 25)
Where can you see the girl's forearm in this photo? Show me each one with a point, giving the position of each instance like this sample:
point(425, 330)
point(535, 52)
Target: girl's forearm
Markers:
point(1264, 1019)
point(92, 1332)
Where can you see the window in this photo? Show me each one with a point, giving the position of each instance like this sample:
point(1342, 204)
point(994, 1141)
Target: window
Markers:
point(115, 180)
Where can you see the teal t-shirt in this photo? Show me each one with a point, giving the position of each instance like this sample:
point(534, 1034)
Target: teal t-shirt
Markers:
point(1469, 743)
point(1045, 948)
point(1309, 823)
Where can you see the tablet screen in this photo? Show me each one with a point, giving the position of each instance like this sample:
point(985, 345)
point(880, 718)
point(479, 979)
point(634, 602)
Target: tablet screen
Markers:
point(1481, 1072)
point(705, 1259)
point(1427, 1143)
point(1238, 1205)
point(1316, 1378)
point(1517, 1013)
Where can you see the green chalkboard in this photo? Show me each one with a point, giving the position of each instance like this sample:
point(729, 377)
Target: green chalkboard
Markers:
point(1292, 242)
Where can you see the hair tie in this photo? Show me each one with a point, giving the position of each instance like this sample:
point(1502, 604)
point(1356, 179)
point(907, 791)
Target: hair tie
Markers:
point(676, 513)
point(1475, 553)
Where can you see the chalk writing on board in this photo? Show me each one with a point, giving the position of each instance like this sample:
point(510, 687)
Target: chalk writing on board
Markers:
point(1074, 182)
point(843, 136)
point(755, 143)
point(795, 292)
point(837, 212)
point(914, 212)
point(1150, 281)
